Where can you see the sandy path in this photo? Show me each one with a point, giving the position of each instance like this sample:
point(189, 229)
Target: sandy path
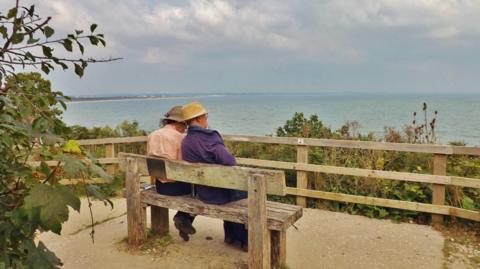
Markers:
point(323, 240)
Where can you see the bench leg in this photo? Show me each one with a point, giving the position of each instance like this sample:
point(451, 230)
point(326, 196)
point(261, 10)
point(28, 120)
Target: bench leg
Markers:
point(279, 248)
point(136, 211)
point(258, 235)
point(159, 216)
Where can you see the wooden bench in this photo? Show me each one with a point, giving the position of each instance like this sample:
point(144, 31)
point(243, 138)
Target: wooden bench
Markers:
point(266, 221)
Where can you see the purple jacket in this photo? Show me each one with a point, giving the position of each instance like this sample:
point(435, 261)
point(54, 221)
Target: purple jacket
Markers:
point(206, 146)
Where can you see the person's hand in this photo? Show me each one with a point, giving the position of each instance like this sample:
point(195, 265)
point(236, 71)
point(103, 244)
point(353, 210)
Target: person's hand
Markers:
point(165, 180)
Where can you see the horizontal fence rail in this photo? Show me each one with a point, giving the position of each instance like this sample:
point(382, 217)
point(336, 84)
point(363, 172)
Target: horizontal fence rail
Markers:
point(439, 180)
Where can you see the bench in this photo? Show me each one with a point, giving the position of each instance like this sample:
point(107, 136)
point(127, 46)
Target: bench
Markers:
point(266, 221)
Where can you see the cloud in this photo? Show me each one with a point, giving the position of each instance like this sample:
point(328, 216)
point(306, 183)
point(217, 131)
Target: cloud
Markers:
point(241, 39)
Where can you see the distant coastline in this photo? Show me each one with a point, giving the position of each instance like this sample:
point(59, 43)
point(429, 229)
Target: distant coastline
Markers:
point(78, 99)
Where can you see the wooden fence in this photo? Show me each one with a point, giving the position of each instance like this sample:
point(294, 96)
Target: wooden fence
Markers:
point(438, 179)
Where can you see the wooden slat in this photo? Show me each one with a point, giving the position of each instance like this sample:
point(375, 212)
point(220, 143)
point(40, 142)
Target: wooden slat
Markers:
point(230, 177)
point(413, 206)
point(81, 181)
point(235, 211)
point(55, 163)
point(403, 176)
point(115, 140)
point(354, 144)
point(367, 145)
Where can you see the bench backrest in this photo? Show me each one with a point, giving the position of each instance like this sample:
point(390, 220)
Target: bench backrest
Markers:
point(230, 177)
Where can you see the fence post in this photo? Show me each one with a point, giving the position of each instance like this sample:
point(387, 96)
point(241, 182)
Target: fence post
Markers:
point(258, 235)
point(302, 176)
point(438, 190)
point(110, 153)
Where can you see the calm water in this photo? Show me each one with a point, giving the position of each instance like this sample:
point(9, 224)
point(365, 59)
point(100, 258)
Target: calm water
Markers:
point(458, 119)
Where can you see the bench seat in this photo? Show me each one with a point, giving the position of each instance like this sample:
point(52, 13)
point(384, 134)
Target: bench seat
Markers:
point(279, 216)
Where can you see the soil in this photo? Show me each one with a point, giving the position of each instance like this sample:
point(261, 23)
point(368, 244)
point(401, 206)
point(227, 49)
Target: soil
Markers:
point(321, 239)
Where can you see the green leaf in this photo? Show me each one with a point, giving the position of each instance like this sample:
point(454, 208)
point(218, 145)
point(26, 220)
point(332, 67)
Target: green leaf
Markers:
point(31, 10)
point(78, 70)
point(17, 38)
point(72, 146)
point(40, 256)
point(72, 166)
point(468, 203)
point(45, 68)
point(93, 27)
point(97, 170)
point(80, 46)
point(47, 51)
point(29, 56)
point(53, 202)
point(3, 31)
point(67, 44)
point(102, 41)
point(32, 40)
point(12, 13)
point(96, 192)
point(48, 31)
point(93, 40)
point(78, 32)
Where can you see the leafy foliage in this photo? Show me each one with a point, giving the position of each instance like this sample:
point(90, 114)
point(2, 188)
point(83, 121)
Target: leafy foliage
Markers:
point(30, 41)
point(30, 197)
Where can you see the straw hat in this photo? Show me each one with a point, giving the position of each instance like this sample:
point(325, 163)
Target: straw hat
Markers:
point(175, 114)
point(193, 110)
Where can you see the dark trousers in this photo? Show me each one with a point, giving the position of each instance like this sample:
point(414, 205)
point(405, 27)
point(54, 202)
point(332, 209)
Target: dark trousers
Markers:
point(176, 189)
point(232, 230)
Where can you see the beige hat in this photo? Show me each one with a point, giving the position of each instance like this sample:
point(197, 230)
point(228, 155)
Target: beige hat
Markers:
point(175, 114)
point(193, 110)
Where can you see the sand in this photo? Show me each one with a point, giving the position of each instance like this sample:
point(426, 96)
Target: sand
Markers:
point(324, 239)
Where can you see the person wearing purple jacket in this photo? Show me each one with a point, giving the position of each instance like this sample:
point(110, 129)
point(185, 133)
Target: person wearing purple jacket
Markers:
point(202, 145)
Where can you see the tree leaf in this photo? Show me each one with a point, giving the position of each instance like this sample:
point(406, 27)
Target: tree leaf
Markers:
point(71, 166)
point(48, 31)
point(17, 38)
point(31, 10)
point(78, 70)
point(43, 258)
point(80, 46)
point(468, 203)
point(45, 68)
point(93, 27)
point(3, 31)
point(93, 40)
point(47, 51)
point(97, 170)
point(96, 192)
point(53, 202)
point(12, 13)
point(78, 32)
point(32, 40)
point(72, 146)
point(67, 44)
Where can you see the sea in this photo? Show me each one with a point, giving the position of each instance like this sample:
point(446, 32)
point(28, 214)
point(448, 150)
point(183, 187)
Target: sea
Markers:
point(458, 117)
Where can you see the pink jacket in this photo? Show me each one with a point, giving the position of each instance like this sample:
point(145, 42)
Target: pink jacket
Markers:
point(166, 143)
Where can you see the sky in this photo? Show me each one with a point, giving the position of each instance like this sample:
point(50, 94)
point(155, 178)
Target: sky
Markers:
point(288, 46)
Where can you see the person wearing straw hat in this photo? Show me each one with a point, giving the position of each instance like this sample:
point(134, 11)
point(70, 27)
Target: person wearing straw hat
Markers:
point(166, 143)
point(203, 145)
